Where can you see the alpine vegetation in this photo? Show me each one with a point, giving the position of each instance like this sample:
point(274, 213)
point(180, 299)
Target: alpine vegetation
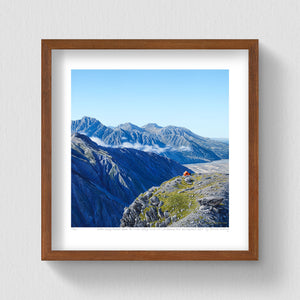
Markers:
point(184, 201)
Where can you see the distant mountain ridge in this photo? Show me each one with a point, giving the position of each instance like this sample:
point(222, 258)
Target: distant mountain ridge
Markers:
point(177, 143)
point(223, 140)
point(106, 180)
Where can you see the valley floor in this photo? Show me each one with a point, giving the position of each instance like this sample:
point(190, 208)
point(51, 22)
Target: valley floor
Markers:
point(217, 166)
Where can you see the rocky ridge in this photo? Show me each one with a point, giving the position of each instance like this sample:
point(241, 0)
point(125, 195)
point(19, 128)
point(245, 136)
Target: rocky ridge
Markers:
point(177, 143)
point(199, 200)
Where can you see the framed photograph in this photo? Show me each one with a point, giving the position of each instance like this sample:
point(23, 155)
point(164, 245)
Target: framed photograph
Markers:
point(149, 150)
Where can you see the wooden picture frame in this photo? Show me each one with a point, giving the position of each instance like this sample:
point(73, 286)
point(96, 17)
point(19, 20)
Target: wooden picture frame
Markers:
point(47, 46)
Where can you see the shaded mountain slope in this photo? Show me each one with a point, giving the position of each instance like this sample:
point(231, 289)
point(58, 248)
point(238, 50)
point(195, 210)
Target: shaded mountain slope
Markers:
point(105, 180)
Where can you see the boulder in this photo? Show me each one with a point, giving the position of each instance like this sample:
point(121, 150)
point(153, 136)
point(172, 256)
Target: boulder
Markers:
point(161, 203)
point(174, 218)
point(151, 190)
point(151, 215)
point(160, 213)
point(177, 180)
point(148, 216)
point(163, 224)
point(148, 194)
point(126, 211)
point(168, 221)
point(143, 199)
point(188, 180)
point(141, 223)
point(154, 201)
point(137, 207)
point(211, 201)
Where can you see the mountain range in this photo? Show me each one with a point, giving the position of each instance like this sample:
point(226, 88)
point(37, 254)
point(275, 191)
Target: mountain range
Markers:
point(106, 179)
point(177, 143)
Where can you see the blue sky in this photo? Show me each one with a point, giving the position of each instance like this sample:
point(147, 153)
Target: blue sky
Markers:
point(195, 99)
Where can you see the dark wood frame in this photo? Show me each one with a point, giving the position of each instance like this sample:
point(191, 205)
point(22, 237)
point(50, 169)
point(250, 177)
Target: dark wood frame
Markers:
point(47, 252)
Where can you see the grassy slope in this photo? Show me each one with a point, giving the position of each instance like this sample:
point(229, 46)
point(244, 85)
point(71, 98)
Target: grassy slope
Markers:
point(182, 202)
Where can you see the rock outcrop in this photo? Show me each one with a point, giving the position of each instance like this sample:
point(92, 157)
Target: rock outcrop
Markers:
point(199, 200)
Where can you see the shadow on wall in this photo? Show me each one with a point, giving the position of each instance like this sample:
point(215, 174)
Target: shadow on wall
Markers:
point(161, 277)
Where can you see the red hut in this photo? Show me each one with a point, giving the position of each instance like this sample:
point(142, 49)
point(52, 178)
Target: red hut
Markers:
point(186, 173)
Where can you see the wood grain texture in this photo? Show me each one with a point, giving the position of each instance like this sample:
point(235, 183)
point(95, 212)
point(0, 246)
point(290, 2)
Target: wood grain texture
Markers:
point(47, 47)
point(253, 149)
point(150, 44)
point(46, 151)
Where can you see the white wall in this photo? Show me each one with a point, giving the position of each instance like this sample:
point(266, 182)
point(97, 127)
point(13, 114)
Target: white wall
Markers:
point(24, 23)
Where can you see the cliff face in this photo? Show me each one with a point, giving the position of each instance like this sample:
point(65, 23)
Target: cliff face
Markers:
point(105, 180)
point(199, 200)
